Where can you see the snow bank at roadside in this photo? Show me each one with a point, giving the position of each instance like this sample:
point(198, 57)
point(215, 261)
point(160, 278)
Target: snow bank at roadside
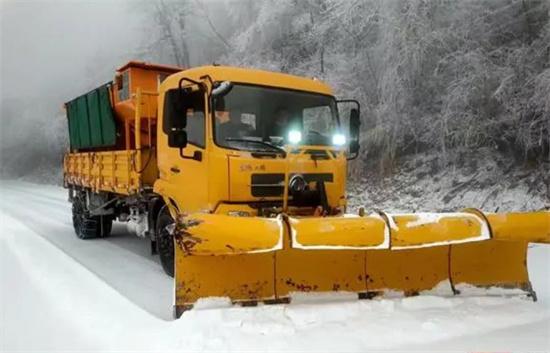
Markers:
point(51, 302)
point(488, 181)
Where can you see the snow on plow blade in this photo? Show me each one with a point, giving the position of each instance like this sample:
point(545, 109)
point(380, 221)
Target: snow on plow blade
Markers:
point(251, 259)
point(209, 234)
point(373, 232)
point(358, 233)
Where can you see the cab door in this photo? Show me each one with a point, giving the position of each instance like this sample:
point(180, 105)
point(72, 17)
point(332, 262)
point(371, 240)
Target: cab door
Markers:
point(183, 173)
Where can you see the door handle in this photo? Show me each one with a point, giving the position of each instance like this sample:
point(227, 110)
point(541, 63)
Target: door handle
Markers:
point(175, 170)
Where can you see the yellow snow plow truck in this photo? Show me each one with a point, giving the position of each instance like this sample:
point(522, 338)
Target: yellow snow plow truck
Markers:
point(238, 179)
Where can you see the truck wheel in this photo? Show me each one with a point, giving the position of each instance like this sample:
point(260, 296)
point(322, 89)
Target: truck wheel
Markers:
point(89, 227)
point(165, 241)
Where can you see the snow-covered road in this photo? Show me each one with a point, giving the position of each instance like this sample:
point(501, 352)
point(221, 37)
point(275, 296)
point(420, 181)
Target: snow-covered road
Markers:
point(61, 293)
point(123, 261)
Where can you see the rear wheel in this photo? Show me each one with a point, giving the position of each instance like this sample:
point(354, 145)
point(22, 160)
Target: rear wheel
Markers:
point(165, 241)
point(89, 227)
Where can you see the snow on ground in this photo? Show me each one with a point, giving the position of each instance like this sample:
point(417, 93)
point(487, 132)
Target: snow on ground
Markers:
point(489, 182)
point(60, 293)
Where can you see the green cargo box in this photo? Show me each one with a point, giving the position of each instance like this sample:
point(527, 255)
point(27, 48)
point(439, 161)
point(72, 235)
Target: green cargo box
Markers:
point(91, 120)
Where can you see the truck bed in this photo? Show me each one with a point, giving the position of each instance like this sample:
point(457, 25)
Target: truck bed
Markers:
point(123, 172)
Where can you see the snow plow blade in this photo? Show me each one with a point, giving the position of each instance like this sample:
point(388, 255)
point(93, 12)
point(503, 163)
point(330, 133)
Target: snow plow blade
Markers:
point(209, 234)
point(252, 259)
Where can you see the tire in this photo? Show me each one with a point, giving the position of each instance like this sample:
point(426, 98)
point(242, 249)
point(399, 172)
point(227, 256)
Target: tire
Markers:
point(89, 227)
point(165, 241)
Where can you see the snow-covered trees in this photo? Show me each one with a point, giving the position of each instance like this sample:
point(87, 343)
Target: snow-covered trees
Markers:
point(430, 74)
point(436, 75)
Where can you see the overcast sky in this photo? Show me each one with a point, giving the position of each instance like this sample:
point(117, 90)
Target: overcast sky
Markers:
point(52, 51)
point(54, 47)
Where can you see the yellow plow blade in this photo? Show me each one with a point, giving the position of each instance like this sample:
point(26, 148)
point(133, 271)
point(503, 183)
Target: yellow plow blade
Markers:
point(532, 227)
point(358, 233)
point(491, 263)
point(403, 231)
point(433, 229)
point(251, 259)
point(503, 260)
point(210, 234)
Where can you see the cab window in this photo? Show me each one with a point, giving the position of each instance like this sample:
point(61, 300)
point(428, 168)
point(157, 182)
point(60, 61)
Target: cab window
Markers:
point(124, 90)
point(195, 127)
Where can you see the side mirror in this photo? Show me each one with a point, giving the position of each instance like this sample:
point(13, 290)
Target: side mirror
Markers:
point(177, 139)
point(176, 104)
point(353, 121)
point(179, 102)
point(354, 131)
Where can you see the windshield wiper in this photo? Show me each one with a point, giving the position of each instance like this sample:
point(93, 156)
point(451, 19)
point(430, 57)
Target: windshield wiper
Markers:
point(259, 142)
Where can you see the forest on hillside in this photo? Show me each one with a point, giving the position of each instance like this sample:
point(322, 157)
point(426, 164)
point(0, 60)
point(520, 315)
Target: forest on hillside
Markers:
point(442, 77)
point(431, 75)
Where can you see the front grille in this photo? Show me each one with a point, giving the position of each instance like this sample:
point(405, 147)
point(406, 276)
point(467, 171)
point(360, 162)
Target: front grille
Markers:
point(263, 185)
point(270, 185)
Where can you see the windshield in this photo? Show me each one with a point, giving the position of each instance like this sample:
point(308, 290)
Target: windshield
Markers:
point(261, 118)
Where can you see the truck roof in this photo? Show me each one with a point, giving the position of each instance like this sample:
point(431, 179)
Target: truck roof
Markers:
point(150, 66)
point(249, 76)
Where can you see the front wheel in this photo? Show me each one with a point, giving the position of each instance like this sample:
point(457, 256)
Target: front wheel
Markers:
point(165, 241)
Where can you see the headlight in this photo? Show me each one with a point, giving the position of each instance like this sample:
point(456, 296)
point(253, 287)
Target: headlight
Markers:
point(338, 139)
point(294, 136)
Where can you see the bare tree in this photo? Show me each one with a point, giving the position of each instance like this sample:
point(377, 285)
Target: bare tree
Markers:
point(171, 18)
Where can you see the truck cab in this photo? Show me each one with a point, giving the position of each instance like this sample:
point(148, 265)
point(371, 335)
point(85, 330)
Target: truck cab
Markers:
point(250, 142)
